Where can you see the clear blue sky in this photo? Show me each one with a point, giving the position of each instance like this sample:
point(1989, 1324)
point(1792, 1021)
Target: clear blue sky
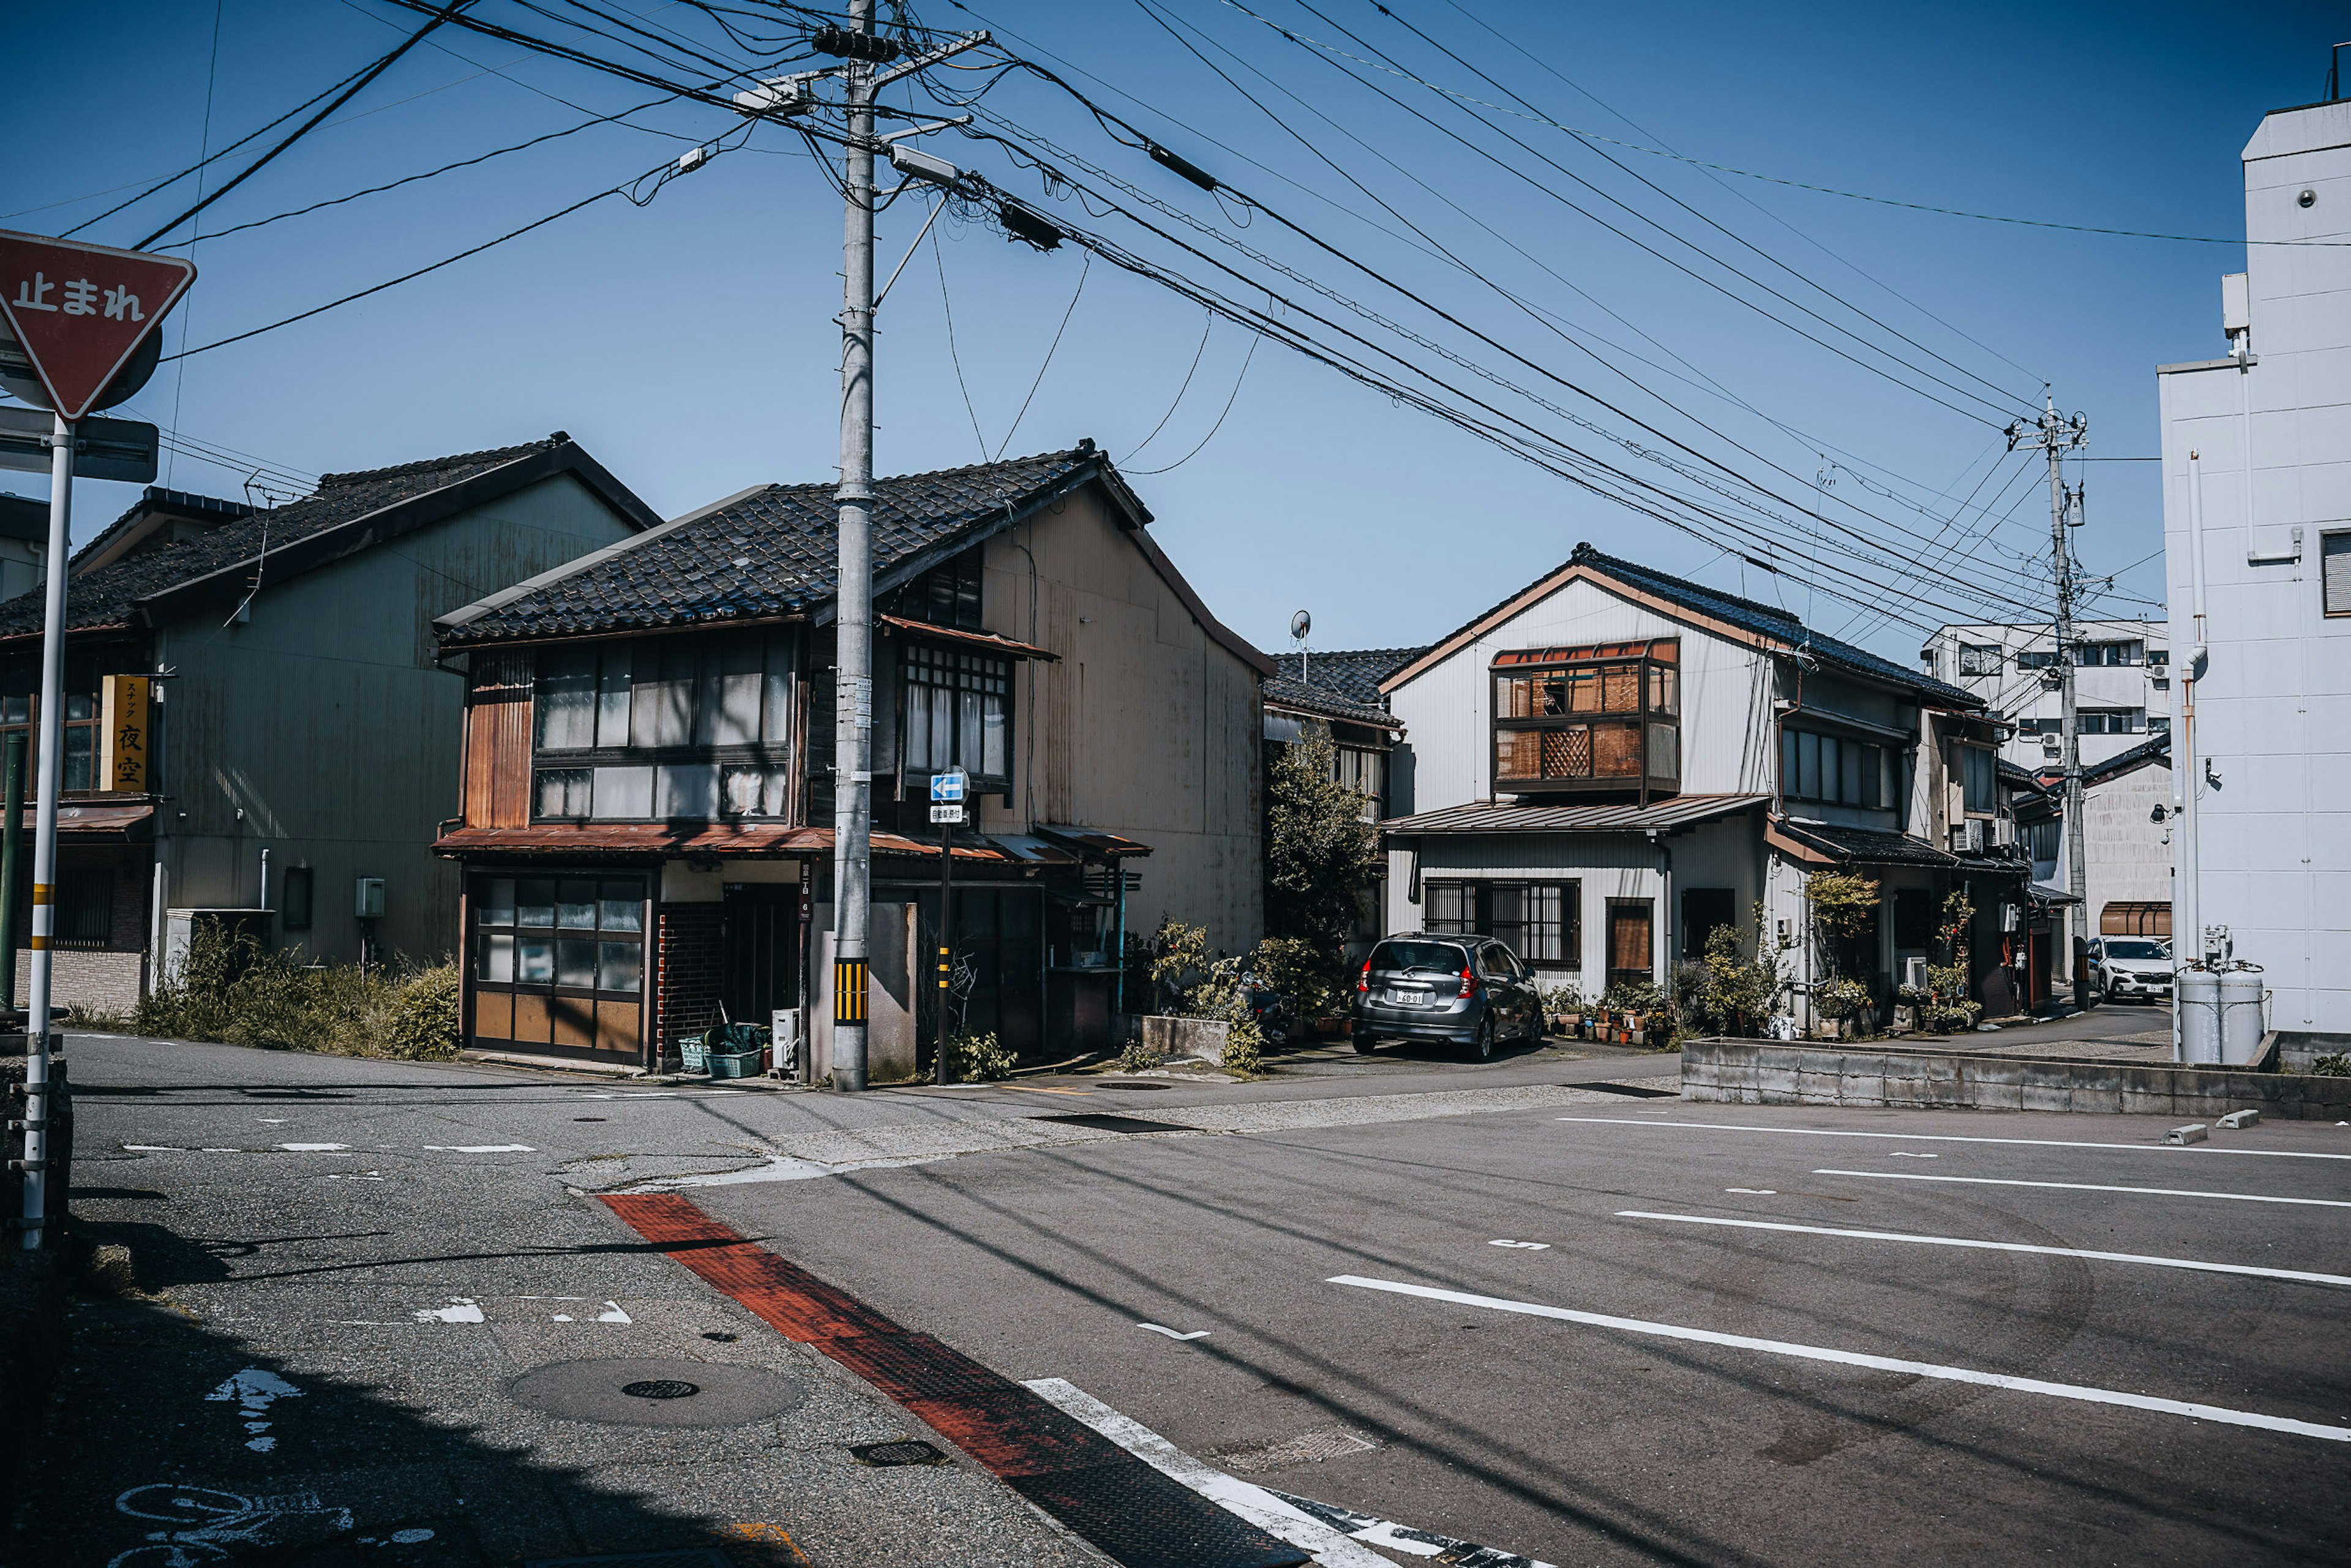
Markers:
point(689, 344)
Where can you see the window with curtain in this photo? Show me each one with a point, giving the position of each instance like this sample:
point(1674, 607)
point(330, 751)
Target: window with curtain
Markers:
point(1540, 920)
point(956, 705)
point(1837, 770)
point(692, 729)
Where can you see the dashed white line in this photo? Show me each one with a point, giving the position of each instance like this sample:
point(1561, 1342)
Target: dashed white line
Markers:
point(2088, 1186)
point(2218, 1412)
point(2195, 1264)
point(479, 1149)
point(1953, 1138)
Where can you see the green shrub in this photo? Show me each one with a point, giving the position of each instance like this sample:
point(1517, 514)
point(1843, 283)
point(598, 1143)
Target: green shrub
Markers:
point(2335, 1066)
point(1244, 1048)
point(1305, 972)
point(232, 989)
point(980, 1058)
point(1139, 1058)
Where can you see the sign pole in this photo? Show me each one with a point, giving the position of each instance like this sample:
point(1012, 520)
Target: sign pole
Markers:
point(939, 1072)
point(50, 766)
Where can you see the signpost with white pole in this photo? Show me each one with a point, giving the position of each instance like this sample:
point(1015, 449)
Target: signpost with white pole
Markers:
point(949, 790)
point(78, 316)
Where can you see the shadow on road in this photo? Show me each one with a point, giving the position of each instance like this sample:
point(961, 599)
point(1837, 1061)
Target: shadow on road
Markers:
point(171, 1444)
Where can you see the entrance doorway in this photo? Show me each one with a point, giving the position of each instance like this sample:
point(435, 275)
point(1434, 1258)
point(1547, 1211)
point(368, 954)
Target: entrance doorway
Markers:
point(1632, 947)
point(760, 950)
point(999, 947)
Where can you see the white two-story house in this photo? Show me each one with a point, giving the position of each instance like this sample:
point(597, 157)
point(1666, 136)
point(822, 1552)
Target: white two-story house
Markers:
point(1612, 762)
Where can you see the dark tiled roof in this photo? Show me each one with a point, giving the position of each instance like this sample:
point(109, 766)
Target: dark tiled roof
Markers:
point(108, 596)
point(2155, 748)
point(154, 499)
point(1747, 615)
point(1354, 673)
point(1865, 846)
point(1500, 817)
point(769, 551)
point(1344, 684)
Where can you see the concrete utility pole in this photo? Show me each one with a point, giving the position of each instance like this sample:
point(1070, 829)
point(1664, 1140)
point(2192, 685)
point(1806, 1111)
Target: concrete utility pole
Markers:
point(852, 779)
point(2056, 436)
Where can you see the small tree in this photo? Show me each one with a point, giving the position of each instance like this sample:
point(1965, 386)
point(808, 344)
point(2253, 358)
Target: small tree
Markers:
point(1318, 851)
point(1727, 989)
point(1944, 1004)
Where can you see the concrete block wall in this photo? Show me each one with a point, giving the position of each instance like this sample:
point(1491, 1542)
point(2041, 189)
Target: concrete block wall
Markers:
point(1764, 1072)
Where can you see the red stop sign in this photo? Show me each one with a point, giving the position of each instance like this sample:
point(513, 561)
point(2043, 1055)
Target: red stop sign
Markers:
point(82, 311)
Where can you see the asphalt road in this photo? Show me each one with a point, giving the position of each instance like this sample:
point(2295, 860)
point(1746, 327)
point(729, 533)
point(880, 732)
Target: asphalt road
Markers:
point(1648, 1383)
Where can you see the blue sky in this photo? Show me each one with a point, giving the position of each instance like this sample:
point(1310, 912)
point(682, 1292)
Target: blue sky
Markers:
point(689, 343)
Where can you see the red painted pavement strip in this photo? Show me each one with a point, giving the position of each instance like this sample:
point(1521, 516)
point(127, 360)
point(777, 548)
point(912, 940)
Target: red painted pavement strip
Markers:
point(1097, 1488)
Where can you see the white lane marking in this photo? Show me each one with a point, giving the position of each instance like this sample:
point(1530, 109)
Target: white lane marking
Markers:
point(2196, 1264)
point(1253, 1504)
point(154, 1149)
point(1911, 1154)
point(1403, 1537)
point(1529, 1246)
point(254, 1389)
point(312, 1148)
point(1171, 1333)
point(2088, 1186)
point(480, 1149)
point(2219, 1413)
point(462, 1310)
point(565, 1318)
point(271, 1120)
point(614, 1314)
point(1756, 1191)
point(1952, 1138)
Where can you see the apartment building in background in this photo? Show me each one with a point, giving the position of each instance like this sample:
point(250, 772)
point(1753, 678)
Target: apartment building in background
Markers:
point(2122, 684)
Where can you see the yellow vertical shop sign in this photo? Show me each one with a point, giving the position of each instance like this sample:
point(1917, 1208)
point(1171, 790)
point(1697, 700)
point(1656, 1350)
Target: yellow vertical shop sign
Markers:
point(123, 718)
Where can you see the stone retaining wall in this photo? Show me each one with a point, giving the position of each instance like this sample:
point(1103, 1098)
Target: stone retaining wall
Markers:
point(1769, 1072)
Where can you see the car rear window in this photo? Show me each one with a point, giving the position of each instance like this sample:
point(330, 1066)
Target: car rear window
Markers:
point(2136, 950)
point(1441, 955)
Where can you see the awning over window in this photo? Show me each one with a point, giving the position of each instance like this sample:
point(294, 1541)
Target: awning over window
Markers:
point(89, 821)
point(987, 641)
point(2126, 917)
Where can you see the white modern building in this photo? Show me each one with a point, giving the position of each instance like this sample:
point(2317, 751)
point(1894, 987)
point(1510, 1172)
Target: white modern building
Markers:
point(2122, 683)
point(2257, 450)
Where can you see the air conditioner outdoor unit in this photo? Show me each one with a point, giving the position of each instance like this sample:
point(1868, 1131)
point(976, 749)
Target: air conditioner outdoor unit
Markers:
point(2051, 745)
point(1967, 838)
point(2004, 831)
point(1914, 973)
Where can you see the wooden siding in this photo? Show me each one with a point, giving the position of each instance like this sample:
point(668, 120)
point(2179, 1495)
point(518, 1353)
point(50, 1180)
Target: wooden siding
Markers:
point(498, 741)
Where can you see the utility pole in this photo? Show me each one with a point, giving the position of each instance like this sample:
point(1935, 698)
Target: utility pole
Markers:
point(852, 779)
point(2058, 435)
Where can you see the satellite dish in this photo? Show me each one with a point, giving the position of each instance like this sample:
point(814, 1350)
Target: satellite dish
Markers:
point(1300, 624)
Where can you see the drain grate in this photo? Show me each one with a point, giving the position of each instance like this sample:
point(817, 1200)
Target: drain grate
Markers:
point(907, 1451)
point(1138, 1088)
point(1633, 1090)
point(636, 1391)
point(1107, 1123)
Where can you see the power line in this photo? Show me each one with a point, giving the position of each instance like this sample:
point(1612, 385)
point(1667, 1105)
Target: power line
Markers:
point(365, 77)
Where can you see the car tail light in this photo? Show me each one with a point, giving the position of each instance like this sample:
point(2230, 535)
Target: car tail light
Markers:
point(1363, 981)
point(1469, 984)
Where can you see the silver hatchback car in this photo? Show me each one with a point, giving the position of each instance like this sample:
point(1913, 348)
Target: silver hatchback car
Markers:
point(1468, 991)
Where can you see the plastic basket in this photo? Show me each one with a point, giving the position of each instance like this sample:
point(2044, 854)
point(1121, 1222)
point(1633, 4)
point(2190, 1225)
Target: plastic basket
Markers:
point(694, 1054)
point(737, 1064)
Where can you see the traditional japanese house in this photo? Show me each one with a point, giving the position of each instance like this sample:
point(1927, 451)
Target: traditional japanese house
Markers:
point(647, 830)
point(1340, 692)
point(1612, 762)
point(254, 728)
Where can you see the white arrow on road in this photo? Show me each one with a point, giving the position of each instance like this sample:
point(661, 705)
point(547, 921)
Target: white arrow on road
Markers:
point(1171, 1333)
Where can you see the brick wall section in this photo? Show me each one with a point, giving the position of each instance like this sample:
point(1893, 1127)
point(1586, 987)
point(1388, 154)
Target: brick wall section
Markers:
point(99, 982)
point(687, 970)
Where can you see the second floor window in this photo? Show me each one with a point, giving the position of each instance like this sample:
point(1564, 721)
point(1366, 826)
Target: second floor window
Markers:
point(2132, 652)
point(2111, 720)
point(958, 713)
point(687, 727)
point(1979, 659)
point(1835, 770)
point(19, 713)
point(1977, 775)
point(1601, 717)
point(1365, 773)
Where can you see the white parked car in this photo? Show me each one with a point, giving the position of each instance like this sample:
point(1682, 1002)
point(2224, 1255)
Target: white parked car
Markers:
point(2131, 968)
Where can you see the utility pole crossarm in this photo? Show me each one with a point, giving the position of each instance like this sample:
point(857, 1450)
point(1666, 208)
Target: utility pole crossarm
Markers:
point(924, 62)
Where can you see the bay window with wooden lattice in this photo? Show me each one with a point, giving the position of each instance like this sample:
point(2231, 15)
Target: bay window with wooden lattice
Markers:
point(1600, 720)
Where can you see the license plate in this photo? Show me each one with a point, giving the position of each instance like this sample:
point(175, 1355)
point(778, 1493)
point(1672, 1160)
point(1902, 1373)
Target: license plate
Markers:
point(1408, 997)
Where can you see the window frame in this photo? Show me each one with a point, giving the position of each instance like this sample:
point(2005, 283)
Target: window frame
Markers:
point(1653, 719)
point(962, 663)
point(1470, 914)
point(657, 706)
point(2333, 542)
point(1972, 658)
point(1871, 770)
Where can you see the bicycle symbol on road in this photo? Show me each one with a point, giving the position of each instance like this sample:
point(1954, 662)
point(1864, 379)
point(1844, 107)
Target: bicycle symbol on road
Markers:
point(211, 1522)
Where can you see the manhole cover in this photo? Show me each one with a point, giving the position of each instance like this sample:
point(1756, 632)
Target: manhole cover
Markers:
point(910, 1451)
point(1105, 1123)
point(648, 1391)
